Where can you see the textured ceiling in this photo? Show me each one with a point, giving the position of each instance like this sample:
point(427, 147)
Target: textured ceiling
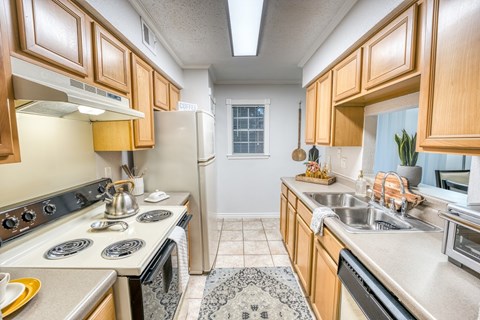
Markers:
point(196, 31)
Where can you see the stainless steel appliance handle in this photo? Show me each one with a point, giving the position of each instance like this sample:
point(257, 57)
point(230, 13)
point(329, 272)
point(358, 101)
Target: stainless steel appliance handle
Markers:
point(458, 220)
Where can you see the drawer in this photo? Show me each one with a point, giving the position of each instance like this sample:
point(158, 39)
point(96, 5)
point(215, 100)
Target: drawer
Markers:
point(284, 190)
point(292, 199)
point(331, 244)
point(304, 212)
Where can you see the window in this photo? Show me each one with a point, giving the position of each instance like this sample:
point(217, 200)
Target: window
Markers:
point(248, 128)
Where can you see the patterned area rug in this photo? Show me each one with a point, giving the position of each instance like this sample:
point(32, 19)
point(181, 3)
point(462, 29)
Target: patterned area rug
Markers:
point(253, 293)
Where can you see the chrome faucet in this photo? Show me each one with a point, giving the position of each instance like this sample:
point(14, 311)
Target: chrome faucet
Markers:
point(403, 208)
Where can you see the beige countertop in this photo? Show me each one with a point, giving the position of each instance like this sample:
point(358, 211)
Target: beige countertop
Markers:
point(65, 293)
point(176, 199)
point(410, 264)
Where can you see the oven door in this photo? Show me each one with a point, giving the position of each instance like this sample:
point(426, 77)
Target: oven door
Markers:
point(154, 294)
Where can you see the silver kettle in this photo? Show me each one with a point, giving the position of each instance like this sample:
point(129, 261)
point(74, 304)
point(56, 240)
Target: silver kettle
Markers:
point(122, 204)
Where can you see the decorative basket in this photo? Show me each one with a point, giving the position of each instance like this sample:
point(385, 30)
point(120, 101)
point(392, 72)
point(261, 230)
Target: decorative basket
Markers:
point(304, 178)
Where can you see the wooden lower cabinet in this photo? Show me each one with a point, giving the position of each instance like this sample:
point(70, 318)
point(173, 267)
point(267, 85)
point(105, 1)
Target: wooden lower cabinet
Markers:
point(105, 309)
point(290, 239)
point(283, 216)
point(303, 253)
point(325, 289)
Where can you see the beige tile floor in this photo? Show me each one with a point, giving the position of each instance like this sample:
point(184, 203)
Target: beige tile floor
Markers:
point(243, 243)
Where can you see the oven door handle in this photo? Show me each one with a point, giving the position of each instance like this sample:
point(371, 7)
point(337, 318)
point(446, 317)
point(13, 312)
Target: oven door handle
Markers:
point(154, 270)
point(458, 220)
point(157, 267)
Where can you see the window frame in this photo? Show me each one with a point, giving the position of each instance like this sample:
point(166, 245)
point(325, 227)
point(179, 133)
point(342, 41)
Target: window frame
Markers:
point(266, 129)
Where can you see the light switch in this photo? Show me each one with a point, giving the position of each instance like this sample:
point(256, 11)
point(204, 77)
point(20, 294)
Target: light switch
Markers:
point(343, 162)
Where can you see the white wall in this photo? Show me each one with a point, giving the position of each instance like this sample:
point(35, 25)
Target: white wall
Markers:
point(196, 88)
point(361, 18)
point(252, 187)
point(56, 154)
point(123, 17)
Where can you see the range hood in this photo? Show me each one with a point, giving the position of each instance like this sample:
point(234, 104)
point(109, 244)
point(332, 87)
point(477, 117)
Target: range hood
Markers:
point(44, 92)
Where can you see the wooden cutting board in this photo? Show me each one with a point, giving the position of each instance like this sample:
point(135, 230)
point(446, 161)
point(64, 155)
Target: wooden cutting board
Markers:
point(393, 190)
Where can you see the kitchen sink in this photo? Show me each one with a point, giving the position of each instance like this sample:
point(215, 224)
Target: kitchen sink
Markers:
point(359, 215)
point(336, 200)
point(372, 219)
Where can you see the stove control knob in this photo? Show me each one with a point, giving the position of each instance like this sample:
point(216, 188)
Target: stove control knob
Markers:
point(49, 209)
point(29, 215)
point(101, 189)
point(10, 223)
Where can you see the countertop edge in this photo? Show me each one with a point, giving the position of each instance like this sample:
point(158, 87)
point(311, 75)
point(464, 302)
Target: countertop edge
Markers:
point(84, 308)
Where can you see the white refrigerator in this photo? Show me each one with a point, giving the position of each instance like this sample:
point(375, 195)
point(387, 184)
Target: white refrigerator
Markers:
point(184, 160)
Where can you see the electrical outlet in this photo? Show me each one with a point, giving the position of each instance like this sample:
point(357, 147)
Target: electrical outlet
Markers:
point(343, 162)
point(339, 153)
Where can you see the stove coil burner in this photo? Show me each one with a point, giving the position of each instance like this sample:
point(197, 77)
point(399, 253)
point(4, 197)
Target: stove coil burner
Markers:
point(154, 216)
point(122, 249)
point(67, 249)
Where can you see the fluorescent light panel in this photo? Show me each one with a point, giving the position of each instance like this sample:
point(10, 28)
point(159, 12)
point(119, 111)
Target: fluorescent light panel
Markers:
point(245, 17)
point(90, 110)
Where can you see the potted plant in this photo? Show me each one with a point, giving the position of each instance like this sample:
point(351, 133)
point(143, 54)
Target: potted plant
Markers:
point(408, 158)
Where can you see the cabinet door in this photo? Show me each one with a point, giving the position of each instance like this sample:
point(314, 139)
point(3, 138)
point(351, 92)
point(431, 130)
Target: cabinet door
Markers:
point(142, 88)
point(111, 58)
point(347, 76)
point(174, 93)
point(324, 109)
point(161, 92)
point(450, 87)
point(310, 113)
point(391, 52)
point(55, 31)
point(105, 310)
point(303, 253)
point(6, 128)
point(291, 217)
point(325, 285)
point(283, 217)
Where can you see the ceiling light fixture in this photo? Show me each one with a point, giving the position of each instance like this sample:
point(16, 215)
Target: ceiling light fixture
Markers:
point(90, 110)
point(245, 21)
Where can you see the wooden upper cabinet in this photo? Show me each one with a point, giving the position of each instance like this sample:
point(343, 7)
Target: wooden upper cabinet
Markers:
point(111, 57)
point(174, 93)
point(9, 147)
point(391, 52)
point(310, 113)
point(55, 31)
point(347, 76)
point(142, 87)
point(449, 106)
point(6, 136)
point(161, 92)
point(324, 110)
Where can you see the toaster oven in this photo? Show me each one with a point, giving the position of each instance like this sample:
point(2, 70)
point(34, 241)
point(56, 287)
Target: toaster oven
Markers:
point(461, 240)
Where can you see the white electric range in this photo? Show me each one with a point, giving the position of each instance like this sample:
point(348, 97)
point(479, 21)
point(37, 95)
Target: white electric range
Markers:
point(54, 232)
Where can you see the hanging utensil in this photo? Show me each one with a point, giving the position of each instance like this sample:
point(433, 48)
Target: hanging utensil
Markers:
point(299, 154)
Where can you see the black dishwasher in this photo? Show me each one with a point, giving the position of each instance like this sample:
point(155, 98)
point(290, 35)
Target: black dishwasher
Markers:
point(375, 301)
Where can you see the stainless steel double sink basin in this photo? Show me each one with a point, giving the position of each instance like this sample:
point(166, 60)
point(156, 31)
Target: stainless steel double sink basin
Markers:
point(358, 215)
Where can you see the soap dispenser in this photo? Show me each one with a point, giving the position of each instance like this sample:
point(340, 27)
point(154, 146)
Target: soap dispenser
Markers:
point(361, 185)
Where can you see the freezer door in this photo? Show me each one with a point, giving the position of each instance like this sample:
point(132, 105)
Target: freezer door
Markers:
point(205, 136)
point(208, 196)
